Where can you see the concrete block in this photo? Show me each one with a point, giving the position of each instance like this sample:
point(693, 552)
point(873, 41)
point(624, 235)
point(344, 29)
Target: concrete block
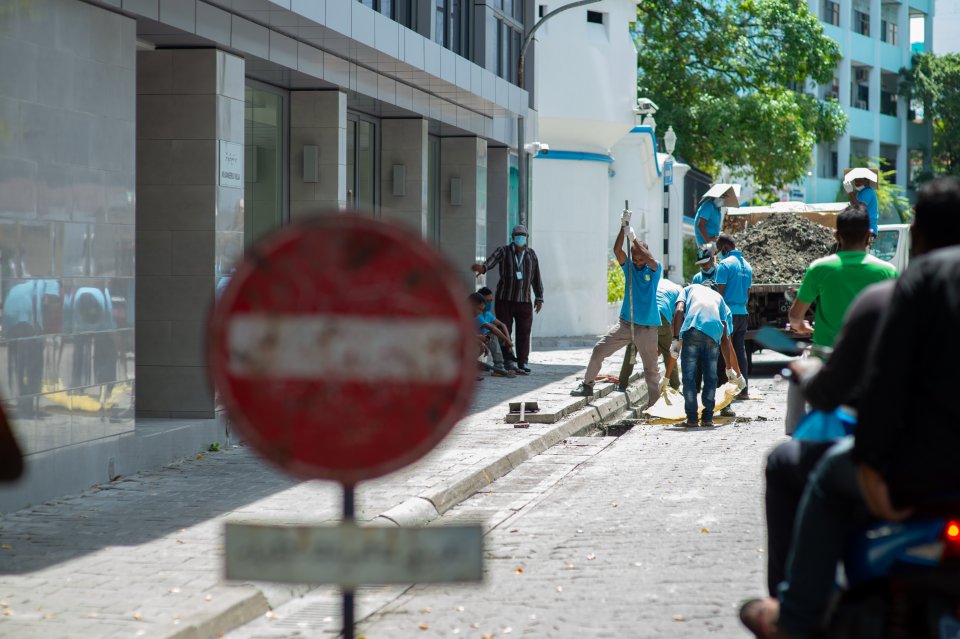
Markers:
point(192, 252)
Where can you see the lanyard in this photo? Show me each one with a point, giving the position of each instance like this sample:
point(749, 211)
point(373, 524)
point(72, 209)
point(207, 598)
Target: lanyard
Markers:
point(518, 258)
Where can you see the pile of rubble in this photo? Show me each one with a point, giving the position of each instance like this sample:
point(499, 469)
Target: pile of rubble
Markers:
point(782, 246)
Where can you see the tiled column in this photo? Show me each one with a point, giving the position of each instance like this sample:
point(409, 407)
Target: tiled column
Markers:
point(318, 118)
point(498, 203)
point(463, 225)
point(190, 117)
point(403, 173)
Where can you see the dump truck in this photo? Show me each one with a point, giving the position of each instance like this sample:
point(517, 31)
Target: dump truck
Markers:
point(769, 302)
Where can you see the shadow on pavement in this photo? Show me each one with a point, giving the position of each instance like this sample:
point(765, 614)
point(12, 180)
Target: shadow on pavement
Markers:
point(150, 505)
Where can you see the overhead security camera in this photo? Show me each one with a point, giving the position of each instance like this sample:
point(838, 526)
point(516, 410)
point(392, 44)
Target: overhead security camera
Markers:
point(645, 106)
point(537, 147)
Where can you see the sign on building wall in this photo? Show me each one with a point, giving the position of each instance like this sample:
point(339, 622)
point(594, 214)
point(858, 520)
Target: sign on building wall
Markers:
point(667, 172)
point(230, 165)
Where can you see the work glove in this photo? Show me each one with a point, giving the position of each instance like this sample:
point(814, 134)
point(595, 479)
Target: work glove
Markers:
point(848, 187)
point(631, 235)
point(625, 217)
point(731, 375)
point(675, 349)
point(663, 384)
point(741, 382)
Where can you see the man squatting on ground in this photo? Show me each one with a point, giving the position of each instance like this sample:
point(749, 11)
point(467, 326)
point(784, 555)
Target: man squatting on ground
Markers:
point(903, 450)
point(492, 332)
point(641, 276)
point(519, 271)
point(701, 323)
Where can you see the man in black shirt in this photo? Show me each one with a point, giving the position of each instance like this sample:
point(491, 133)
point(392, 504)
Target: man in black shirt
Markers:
point(904, 448)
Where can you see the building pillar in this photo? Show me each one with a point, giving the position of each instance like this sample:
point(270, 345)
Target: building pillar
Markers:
point(189, 218)
point(843, 142)
point(404, 176)
point(463, 203)
point(498, 203)
point(318, 119)
point(875, 105)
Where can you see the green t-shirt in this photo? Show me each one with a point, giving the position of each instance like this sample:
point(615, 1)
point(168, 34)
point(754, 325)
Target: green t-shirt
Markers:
point(834, 281)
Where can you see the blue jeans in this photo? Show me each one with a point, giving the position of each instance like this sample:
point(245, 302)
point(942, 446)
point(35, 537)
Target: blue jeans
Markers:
point(699, 351)
point(831, 508)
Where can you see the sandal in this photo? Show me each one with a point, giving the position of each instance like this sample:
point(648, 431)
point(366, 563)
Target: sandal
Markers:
point(760, 617)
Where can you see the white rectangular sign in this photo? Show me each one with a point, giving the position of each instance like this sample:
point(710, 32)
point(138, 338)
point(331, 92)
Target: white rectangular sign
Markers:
point(351, 556)
point(346, 347)
point(230, 165)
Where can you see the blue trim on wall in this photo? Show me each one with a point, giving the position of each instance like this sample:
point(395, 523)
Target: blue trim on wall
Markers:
point(574, 155)
point(653, 136)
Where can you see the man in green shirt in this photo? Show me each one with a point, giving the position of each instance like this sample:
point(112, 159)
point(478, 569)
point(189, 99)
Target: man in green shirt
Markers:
point(834, 281)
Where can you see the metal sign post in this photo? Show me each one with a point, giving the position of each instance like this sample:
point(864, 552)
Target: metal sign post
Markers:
point(343, 349)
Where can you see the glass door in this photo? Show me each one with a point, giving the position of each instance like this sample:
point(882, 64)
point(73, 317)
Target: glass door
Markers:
point(265, 177)
point(433, 189)
point(362, 164)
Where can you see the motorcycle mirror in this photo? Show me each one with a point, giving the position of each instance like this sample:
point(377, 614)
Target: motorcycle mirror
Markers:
point(775, 340)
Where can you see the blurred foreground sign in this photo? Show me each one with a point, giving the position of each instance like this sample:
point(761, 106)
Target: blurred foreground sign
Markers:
point(351, 556)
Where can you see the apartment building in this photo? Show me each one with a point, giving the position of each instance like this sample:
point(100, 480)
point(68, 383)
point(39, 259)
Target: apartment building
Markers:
point(877, 38)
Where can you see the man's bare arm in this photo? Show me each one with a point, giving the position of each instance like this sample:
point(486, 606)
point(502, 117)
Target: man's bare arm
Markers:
point(618, 248)
point(797, 316)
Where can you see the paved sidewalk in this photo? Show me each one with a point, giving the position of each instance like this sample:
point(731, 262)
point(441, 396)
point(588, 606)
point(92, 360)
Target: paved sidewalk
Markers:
point(142, 556)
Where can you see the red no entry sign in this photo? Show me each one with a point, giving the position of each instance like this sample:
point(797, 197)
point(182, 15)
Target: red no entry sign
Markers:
point(343, 348)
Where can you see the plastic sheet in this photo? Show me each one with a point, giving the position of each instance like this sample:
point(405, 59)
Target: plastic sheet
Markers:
point(669, 408)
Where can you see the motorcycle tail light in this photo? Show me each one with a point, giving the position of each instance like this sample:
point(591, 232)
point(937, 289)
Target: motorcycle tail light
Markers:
point(952, 531)
point(951, 540)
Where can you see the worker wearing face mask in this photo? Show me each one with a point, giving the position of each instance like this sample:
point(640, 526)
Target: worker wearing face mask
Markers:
point(519, 271)
point(861, 191)
point(707, 264)
point(706, 224)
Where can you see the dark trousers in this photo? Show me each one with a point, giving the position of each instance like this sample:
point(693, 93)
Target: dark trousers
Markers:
point(739, 339)
point(787, 471)
point(522, 312)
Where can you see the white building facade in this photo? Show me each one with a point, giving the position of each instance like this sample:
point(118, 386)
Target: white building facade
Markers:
point(599, 159)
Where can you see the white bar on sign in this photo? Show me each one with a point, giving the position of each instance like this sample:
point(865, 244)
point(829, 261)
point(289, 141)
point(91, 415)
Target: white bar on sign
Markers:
point(351, 556)
point(345, 347)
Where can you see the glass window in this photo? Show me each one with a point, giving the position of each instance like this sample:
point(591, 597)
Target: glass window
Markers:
point(861, 22)
point(362, 165)
point(433, 189)
point(831, 12)
point(264, 174)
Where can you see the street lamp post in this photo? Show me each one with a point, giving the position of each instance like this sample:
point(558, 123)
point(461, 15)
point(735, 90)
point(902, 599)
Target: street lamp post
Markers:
point(521, 152)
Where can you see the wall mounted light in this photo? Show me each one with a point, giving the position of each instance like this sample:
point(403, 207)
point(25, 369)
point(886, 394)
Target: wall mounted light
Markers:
point(456, 191)
point(311, 163)
point(399, 180)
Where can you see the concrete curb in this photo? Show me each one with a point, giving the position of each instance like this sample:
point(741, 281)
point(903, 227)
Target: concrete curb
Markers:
point(242, 604)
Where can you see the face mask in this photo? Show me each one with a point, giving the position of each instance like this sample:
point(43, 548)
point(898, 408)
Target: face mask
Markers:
point(488, 306)
point(858, 188)
point(520, 240)
point(718, 202)
point(709, 274)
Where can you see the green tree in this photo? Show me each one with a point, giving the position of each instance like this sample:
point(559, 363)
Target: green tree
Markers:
point(935, 81)
point(724, 75)
point(892, 204)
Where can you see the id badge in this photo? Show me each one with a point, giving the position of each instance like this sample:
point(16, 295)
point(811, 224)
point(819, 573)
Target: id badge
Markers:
point(519, 275)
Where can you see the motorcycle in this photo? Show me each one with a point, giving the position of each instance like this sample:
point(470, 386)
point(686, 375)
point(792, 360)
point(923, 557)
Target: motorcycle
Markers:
point(897, 580)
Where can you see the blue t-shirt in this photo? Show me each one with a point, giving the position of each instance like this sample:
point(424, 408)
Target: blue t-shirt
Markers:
point(699, 276)
point(708, 211)
point(737, 274)
point(643, 295)
point(869, 198)
point(705, 311)
point(667, 294)
point(485, 317)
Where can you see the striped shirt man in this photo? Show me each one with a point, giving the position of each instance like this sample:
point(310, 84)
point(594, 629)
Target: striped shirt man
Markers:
point(513, 287)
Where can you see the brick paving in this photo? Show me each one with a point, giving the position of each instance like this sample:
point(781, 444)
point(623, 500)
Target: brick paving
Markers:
point(142, 556)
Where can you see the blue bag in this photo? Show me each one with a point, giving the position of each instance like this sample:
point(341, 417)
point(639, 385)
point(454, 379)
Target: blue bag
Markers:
point(820, 426)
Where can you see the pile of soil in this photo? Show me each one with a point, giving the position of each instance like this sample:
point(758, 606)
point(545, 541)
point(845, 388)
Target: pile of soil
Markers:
point(782, 246)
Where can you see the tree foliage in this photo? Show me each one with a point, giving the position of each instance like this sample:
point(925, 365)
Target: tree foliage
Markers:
point(724, 73)
point(935, 81)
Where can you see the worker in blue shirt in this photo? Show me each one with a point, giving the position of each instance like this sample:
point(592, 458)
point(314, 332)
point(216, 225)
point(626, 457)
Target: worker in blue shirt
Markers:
point(734, 279)
point(701, 328)
point(706, 224)
point(707, 264)
point(639, 314)
point(861, 191)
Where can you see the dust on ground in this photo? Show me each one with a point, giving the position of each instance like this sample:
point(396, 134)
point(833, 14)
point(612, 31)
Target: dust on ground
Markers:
point(782, 246)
